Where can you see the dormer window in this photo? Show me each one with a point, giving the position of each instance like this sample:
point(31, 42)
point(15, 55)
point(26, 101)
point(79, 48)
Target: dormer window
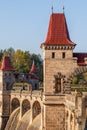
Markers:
point(63, 55)
point(53, 54)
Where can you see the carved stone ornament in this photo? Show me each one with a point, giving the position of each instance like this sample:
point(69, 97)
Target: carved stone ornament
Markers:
point(59, 83)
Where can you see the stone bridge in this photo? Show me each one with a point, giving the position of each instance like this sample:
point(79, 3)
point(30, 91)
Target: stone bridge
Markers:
point(25, 106)
point(26, 100)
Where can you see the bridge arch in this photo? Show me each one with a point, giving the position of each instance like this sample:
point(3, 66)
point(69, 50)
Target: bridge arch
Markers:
point(78, 71)
point(25, 106)
point(36, 109)
point(77, 78)
point(15, 103)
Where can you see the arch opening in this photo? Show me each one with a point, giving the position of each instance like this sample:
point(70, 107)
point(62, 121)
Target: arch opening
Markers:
point(14, 104)
point(78, 81)
point(36, 109)
point(25, 106)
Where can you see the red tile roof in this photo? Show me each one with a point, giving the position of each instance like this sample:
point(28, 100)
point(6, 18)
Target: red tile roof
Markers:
point(6, 64)
point(58, 31)
point(27, 75)
point(33, 68)
point(80, 58)
point(33, 76)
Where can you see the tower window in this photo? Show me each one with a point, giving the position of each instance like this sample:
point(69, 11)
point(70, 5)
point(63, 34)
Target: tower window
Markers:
point(58, 85)
point(63, 55)
point(53, 54)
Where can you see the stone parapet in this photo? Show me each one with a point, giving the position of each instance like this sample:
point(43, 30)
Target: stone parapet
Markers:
point(54, 99)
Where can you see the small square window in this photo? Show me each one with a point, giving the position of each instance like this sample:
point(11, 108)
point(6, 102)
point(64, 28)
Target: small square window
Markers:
point(53, 54)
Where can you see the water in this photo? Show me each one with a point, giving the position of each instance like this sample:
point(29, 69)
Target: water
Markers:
point(15, 123)
point(13, 120)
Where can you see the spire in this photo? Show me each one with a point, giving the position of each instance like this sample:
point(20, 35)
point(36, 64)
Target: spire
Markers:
point(6, 64)
point(52, 8)
point(33, 68)
point(63, 9)
point(58, 31)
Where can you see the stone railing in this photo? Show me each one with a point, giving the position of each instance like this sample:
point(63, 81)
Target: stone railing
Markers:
point(54, 99)
point(33, 93)
point(79, 88)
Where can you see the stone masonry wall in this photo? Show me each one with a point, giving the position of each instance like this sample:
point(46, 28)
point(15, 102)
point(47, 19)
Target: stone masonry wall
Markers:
point(55, 65)
point(55, 117)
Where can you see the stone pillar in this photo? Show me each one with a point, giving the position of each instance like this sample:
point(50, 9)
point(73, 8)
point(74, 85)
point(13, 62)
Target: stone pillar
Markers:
point(31, 113)
point(44, 123)
point(5, 109)
point(69, 121)
point(66, 120)
point(20, 108)
point(42, 117)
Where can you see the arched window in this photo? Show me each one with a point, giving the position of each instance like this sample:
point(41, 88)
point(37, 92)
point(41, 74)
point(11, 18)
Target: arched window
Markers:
point(58, 85)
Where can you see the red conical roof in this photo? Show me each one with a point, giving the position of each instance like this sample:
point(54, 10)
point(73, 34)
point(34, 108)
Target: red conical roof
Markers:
point(33, 68)
point(6, 64)
point(58, 31)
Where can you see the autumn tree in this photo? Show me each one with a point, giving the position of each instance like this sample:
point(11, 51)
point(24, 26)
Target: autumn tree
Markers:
point(22, 61)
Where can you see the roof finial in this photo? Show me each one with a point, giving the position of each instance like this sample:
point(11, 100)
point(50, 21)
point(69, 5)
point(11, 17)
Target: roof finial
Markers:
point(52, 8)
point(63, 9)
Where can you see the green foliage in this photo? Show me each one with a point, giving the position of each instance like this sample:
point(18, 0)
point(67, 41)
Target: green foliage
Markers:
point(1, 55)
point(79, 83)
point(80, 79)
point(10, 51)
point(85, 76)
point(39, 65)
point(74, 80)
point(22, 61)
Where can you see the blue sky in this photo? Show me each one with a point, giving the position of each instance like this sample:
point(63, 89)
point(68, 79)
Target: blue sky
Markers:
point(24, 23)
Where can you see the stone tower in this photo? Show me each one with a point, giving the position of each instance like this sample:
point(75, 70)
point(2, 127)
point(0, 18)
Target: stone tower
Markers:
point(6, 79)
point(58, 64)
